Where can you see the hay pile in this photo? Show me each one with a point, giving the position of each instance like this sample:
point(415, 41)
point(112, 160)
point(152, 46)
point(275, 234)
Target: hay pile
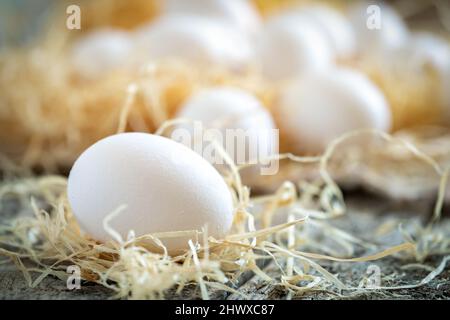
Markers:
point(48, 116)
point(281, 226)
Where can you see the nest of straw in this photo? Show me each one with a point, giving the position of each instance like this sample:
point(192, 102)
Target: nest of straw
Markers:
point(279, 226)
point(48, 116)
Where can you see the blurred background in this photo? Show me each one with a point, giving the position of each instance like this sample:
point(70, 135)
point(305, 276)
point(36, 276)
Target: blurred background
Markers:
point(52, 106)
point(21, 20)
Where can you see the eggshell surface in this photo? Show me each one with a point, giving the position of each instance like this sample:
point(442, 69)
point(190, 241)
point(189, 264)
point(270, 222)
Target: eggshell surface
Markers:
point(334, 26)
point(100, 52)
point(428, 49)
point(241, 13)
point(198, 40)
point(288, 48)
point(164, 186)
point(320, 107)
point(233, 108)
point(387, 32)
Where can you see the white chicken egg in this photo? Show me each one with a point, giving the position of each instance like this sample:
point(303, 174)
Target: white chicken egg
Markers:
point(241, 13)
point(424, 52)
point(164, 185)
point(378, 27)
point(334, 25)
point(197, 40)
point(320, 107)
point(289, 47)
point(429, 49)
point(238, 115)
point(100, 52)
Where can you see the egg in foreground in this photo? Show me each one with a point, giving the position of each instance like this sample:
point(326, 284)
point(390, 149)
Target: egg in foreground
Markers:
point(164, 185)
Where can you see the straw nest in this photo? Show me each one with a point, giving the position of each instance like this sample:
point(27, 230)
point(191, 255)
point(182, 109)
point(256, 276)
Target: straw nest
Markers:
point(48, 116)
point(281, 226)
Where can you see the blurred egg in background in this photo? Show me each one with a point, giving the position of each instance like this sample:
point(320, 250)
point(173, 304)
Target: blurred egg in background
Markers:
point(101, 51)
point(314, 70)
point(194, 39)
point(240, 13)
point(321, 106)
point(239, 116)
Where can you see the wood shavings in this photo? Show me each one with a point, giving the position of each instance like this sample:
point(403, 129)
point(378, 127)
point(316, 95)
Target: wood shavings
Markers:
point(132, 271)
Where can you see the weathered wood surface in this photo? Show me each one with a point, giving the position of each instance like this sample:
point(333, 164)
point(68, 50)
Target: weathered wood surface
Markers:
point(366, 213)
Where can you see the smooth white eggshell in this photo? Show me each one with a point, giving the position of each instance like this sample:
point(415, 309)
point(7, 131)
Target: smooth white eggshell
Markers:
point(430, 49)
point(333, 24)
point(100, 52)
point(233, 108)
point(164, 185)
point(320, 107)
point(424, 52)
point(289, 47)
point(241, 13)
point(198, 40)
point(393, 32)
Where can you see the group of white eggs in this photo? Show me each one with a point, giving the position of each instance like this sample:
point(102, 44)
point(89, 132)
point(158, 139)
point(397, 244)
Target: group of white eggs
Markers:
point(318, 101)
point(299, 48)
